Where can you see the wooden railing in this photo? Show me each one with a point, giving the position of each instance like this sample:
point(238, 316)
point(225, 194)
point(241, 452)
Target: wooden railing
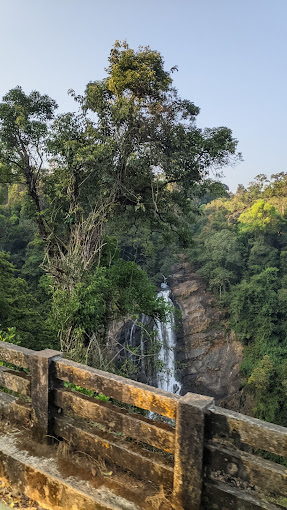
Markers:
point(236, 472)
point(207, 457)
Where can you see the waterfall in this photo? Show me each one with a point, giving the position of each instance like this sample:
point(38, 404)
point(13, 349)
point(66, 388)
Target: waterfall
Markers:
point(165, 333)
point(166, 379)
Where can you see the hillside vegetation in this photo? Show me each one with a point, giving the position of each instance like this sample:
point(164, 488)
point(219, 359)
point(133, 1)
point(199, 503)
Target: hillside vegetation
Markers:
point(95, 204)
point(240, 247)
point(90, 200)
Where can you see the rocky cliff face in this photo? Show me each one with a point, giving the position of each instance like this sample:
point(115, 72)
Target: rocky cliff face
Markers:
point(208, 350)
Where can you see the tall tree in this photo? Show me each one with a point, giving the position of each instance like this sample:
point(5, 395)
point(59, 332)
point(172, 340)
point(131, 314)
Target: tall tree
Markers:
point(133, 150)
point(157, 153)
point(23, 132)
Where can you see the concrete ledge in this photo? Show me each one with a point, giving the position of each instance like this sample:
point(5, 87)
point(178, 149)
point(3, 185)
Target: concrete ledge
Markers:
point(40, 480)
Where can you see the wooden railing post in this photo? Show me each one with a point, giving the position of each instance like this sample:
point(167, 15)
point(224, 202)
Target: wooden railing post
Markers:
point(41, 367)
point(188, 457)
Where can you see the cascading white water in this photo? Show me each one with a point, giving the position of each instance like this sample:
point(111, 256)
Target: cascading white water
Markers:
point(166, 334)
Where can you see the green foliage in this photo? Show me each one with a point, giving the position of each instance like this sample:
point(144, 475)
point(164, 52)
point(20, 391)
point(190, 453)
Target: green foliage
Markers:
point(261, 217)
point(139, 73)
point(240, 247)
point(106, 295)
point(84, 391)
point(23, 124)
point(8, 336)
point(155, 150)
point(261, 376)
point(124, 177)
point(16, 227)
point(254, 304)
point(269, 398)
point(19, 310)
point(132, 155)
point(221, 260)
point(262, 255)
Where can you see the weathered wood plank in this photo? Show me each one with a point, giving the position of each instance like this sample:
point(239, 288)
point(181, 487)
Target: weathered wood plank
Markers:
point(247, 430)
point(15, 411)
point(131, 425)
point(120, 453)
point(258, 472)
point(189, 444)
point(220, 496)
point(15, 381)
point(42, 382)
point(119, 388)
point(15, 354)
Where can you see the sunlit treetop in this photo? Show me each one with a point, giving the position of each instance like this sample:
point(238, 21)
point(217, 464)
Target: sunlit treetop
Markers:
point(137, 73)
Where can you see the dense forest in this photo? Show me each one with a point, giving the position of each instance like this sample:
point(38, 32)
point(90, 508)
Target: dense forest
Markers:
point(89, 198)
point(240, 247)
point(95, 206)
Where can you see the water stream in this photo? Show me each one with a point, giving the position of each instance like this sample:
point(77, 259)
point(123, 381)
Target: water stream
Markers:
point(166, 333)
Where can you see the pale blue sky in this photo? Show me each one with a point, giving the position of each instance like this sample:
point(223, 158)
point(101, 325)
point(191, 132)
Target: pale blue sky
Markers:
point(231, 56)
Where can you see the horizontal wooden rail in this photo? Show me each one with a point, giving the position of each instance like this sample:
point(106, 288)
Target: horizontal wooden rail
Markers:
point(14, 354)
point(207, 439)
point(14, 410)
point(219, 496)
point(122, 454)
point(15, 381)
point(254, 470)
point(131, 425)
point(250, 431)
point(119, 388)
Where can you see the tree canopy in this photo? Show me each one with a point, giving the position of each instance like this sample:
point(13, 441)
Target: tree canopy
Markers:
point(240, 246)
point(132, 156)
